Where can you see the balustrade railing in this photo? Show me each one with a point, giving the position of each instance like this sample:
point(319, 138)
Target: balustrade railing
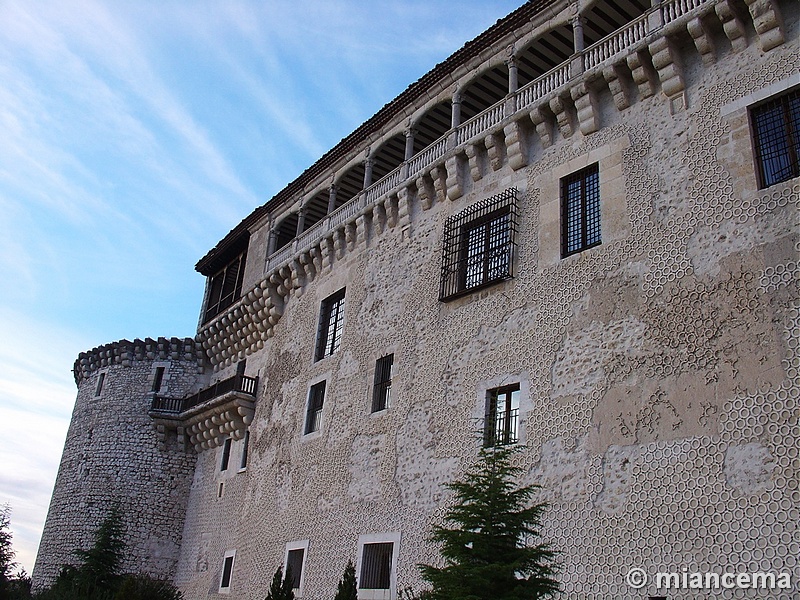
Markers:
point(238, 383)
point(481, 122)
point(617, 42)
point(537, 89)
point(427, 156)
point(527, 96)
point(672, 9)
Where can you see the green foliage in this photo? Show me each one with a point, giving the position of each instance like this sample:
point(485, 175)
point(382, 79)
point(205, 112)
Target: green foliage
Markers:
point(347, 584)
point(486, 551)
point(99, 574)
point(7, 553)
point(143, 587)
point(281, 588)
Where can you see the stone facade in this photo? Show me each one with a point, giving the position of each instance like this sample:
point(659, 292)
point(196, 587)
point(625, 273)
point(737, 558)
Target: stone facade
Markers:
point(658, 371)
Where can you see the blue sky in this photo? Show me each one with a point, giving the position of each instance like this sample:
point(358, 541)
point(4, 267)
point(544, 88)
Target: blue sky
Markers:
point(134, 136)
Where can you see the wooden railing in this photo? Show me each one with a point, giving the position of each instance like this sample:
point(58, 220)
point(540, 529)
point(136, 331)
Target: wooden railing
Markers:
point(238, 383)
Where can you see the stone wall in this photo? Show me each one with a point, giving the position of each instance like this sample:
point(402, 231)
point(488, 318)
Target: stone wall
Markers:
point(659, 370)
point(112, 454)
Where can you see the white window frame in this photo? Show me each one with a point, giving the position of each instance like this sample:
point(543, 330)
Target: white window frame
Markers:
point(232, 555)
point(297, 545)
point(378, 538)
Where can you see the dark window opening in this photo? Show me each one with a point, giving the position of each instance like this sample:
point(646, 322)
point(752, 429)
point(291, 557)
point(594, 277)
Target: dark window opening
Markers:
point(331, 320)
point(776, 128)
point(226, 455)
point(376, 566)
point(227, 571)
point(479, 246)
point(225, 287)
point(158, 379)
point(580, 210)
point(382, 389)
point(245, 446)
point(502, 416)
point(100, 381)
point(294, 566)
point(316, 398)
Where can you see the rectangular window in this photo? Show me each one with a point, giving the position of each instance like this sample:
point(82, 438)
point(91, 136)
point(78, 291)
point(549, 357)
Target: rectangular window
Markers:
point(245, 448)
point(376, 566)
point(580, 210)
point(479, 246)
point(100, 381)
point(226, 455)
point(502, 416)
point(316, 398)
point(224, 287)
point(382, 389)
point(776, 129)
point(331, 320)
point(227, 572)
point(158, 379)
point(294, 566)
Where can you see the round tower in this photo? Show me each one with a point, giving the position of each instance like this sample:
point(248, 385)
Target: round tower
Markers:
point(114, 453)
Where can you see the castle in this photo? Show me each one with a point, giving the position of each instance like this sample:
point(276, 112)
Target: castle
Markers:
point(578, 234)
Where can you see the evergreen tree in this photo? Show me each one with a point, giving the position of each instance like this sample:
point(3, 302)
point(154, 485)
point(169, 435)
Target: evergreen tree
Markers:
point(347, 584)
point(7, 553)
point(487, 553)
point(281, 588)
point(99, 573)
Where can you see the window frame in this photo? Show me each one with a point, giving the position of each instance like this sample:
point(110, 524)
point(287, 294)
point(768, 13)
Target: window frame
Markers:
point(225, 459)
point(101, 381)
point(331, 313)
point(158, 379)
point(382, 383)
point(244, 456)
point(293, 547)
point(460, 251)
point(316, 394)
point(789, 135)
point(586, 202)
point(511, 430)
point(373, 539)
point(225, 589)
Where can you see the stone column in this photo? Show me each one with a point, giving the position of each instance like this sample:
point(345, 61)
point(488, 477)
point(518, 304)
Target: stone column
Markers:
point(576, 65)
point(368, 172)
point(455, 120)
point(331, 198)
point(301, 220)
point(409, 133)
point(513, 78)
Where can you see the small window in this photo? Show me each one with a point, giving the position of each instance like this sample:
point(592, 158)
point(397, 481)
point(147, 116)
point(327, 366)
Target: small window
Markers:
point(382, 389)
point(376, 566)
point(226, 455)
point(776, 129)
point(502, 416)
point(227, 572)
point(294, 566)
point(316, 398)
point(158, 379)
point(331, 320)
point(100, 381)
point(479, 246)
point(245, 448)
point(580, 210)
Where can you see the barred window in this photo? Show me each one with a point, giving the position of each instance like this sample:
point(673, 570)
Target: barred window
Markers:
point(382, 389)
point(331, 320)
point(376, 566)
point(502, 416)
point(479, 246)
point(580, 210)
point(316, 398)
point(776, 128)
